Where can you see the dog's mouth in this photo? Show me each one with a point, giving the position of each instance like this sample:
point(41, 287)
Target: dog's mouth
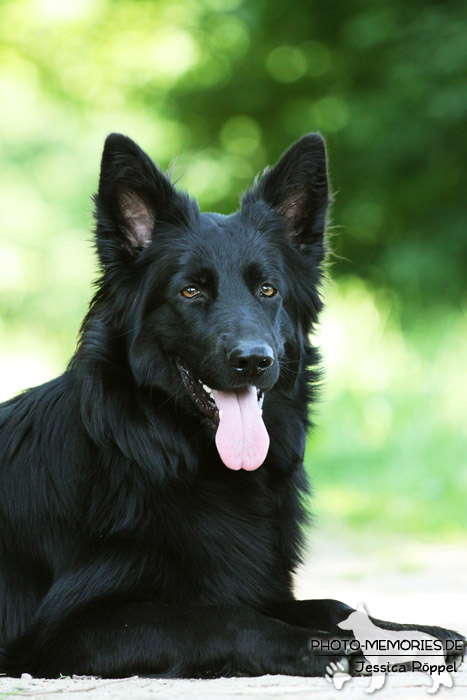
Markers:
point(202, 395)
point(241, 436)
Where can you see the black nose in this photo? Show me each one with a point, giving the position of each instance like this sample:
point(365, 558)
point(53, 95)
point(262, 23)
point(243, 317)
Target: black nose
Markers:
point(251, 359)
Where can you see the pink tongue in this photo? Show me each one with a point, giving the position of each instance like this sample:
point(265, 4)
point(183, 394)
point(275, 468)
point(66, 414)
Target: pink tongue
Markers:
point(241, 438)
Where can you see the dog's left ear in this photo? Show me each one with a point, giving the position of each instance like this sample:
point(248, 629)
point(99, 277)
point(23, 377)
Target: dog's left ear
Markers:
point(297, 187)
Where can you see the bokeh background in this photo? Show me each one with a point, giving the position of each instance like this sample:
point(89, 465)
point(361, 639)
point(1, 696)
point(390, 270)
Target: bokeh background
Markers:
point(226, 86)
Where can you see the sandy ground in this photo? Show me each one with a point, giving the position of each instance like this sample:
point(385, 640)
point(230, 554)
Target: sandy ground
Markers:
point(399, 580)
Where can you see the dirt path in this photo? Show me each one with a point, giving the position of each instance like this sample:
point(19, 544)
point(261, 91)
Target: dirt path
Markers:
point(399, 580)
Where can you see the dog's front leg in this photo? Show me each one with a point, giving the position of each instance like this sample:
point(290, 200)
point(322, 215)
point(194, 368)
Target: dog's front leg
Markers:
point(455, 644)
point(326, 614)
point(115, 638)
point(322, 614)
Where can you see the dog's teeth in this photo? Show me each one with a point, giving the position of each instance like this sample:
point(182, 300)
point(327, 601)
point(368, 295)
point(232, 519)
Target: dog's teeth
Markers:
point(220, 413)
point(260, 411)
point(260, 402)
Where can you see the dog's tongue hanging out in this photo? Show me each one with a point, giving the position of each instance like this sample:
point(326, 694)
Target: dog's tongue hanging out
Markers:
point(242, 439)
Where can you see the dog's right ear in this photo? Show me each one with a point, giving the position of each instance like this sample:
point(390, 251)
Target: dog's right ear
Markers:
point(133, 199)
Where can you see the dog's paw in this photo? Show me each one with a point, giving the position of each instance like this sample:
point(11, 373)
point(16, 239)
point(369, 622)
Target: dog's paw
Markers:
point(455, 644)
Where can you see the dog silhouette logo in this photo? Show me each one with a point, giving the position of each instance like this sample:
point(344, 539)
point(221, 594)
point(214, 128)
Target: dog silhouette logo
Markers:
point(386, 650)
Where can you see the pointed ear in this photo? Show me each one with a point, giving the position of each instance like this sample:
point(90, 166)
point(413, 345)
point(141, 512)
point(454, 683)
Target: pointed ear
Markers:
point(134, 197)
point(297, 187)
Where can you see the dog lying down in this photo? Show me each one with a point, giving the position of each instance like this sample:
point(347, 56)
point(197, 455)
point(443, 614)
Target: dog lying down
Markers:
point(152, 500)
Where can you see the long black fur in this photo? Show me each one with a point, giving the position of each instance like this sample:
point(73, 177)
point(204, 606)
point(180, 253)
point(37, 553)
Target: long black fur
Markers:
point(126, 545)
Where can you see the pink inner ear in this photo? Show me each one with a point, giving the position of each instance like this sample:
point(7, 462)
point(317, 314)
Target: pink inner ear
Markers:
point(138, 218)
point(292, 205)
point(292, 210)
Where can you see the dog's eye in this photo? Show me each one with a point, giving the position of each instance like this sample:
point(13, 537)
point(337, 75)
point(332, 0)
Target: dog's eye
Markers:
point(267, 290)
point(190, 292)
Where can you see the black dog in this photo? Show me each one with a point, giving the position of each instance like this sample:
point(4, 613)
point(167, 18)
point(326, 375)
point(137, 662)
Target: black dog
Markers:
point(151, 497)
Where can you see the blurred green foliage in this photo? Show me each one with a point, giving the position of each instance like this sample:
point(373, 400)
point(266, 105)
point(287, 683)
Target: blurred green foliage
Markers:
point(225, 86)
point(390, 446)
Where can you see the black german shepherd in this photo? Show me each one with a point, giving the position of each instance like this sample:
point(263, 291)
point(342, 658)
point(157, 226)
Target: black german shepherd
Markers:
point(151, 500)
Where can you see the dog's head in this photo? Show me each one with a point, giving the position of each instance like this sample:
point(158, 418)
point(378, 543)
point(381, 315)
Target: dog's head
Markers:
point(215, 310)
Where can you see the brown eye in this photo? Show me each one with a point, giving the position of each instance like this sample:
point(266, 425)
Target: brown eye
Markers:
point(190, 292)
point(267, 290)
